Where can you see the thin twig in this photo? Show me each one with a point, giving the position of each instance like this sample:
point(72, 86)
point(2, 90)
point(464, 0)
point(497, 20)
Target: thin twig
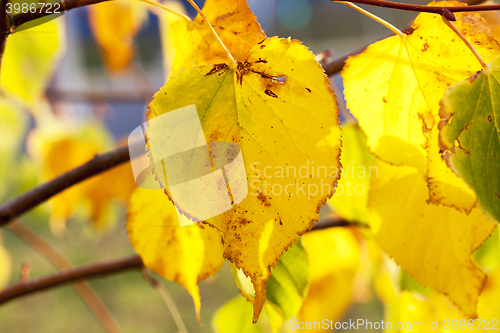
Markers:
point(336, 222)
point(83, 288)
point(167, 299)
point(85, 272)
point(427, 9)
point(469, 45)
point(212, 29)
point(28, 200)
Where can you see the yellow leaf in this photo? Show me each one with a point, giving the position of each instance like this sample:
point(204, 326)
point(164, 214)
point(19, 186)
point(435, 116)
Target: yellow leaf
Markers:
point(432, 243)
point(333, 260)
point(394, 88)
point(5, 266)
point(114, 25)
point(277, 106)
point(168, 34)
point(196, 45)
point(30, 59)
point(351, 194)
point(185, 255)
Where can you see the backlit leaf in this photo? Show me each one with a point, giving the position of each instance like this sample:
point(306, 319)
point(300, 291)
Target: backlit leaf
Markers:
point(31, 57)
point(472, 134)
point(351, 194)
point(432, 243)
point(288, 134)
point(196, 45)
point(185, 255)
point(394, 88)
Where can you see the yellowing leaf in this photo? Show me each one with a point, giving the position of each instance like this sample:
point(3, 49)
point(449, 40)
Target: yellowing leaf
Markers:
point(30, 58)
point(333, 259)
point(394, 88)
point(5, 266)
point(114, 25)
point(168, 34)
point(185, 255)
point(277, 106)
point(351, 194)
point(59, 146)
point(196, 45)
point(471, 133)
point(432, 243)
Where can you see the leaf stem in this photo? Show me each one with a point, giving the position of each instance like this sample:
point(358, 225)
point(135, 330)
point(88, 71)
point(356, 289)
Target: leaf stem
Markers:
point(462, 37)
point(212, 29)
point(59, 261)
point(376, 18)
point(167, 299)
point(157, 4)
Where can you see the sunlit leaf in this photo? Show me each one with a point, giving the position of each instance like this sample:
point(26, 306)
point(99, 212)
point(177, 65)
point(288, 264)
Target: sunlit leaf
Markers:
point(31, 57)
point(282, 127)
point(196, 45)
point(185, 255)
point(472, 134)
point(432, 243)
point(394, 88)
point(351, 194)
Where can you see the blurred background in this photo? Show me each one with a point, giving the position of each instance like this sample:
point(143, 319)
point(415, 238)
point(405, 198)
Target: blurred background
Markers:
point(84, 89)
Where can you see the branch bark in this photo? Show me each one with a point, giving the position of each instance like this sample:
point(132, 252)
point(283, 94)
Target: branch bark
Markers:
point(71, 275)
point(21, 18)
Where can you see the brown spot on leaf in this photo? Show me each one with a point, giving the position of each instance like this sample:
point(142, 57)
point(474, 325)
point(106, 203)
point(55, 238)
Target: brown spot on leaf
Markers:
point(216, 68)
point(261, 60)
point(308, 89)
point(383, 99)
point(489, 118)
point(262, 46)
point(425, 47)
point(262, 197)
point(270, 93)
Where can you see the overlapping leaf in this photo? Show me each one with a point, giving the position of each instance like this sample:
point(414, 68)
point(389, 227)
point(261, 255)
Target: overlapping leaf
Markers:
point(278, 107)
point(185, 255)
point(432, 243)
point(394, 88)
point(471, 131)
point(196, 45)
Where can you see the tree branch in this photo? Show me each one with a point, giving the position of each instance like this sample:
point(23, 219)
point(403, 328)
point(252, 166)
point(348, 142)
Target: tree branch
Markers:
point(83, 288)
point(71, 275)
point(41, 193)
point(441, 10)
point(18, 19)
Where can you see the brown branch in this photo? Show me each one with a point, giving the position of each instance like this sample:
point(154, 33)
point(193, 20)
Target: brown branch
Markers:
point(82, 287)
point(28, 200)
point(336, 222)
point(85, 272)
point(441, 10)
point(19, 19)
